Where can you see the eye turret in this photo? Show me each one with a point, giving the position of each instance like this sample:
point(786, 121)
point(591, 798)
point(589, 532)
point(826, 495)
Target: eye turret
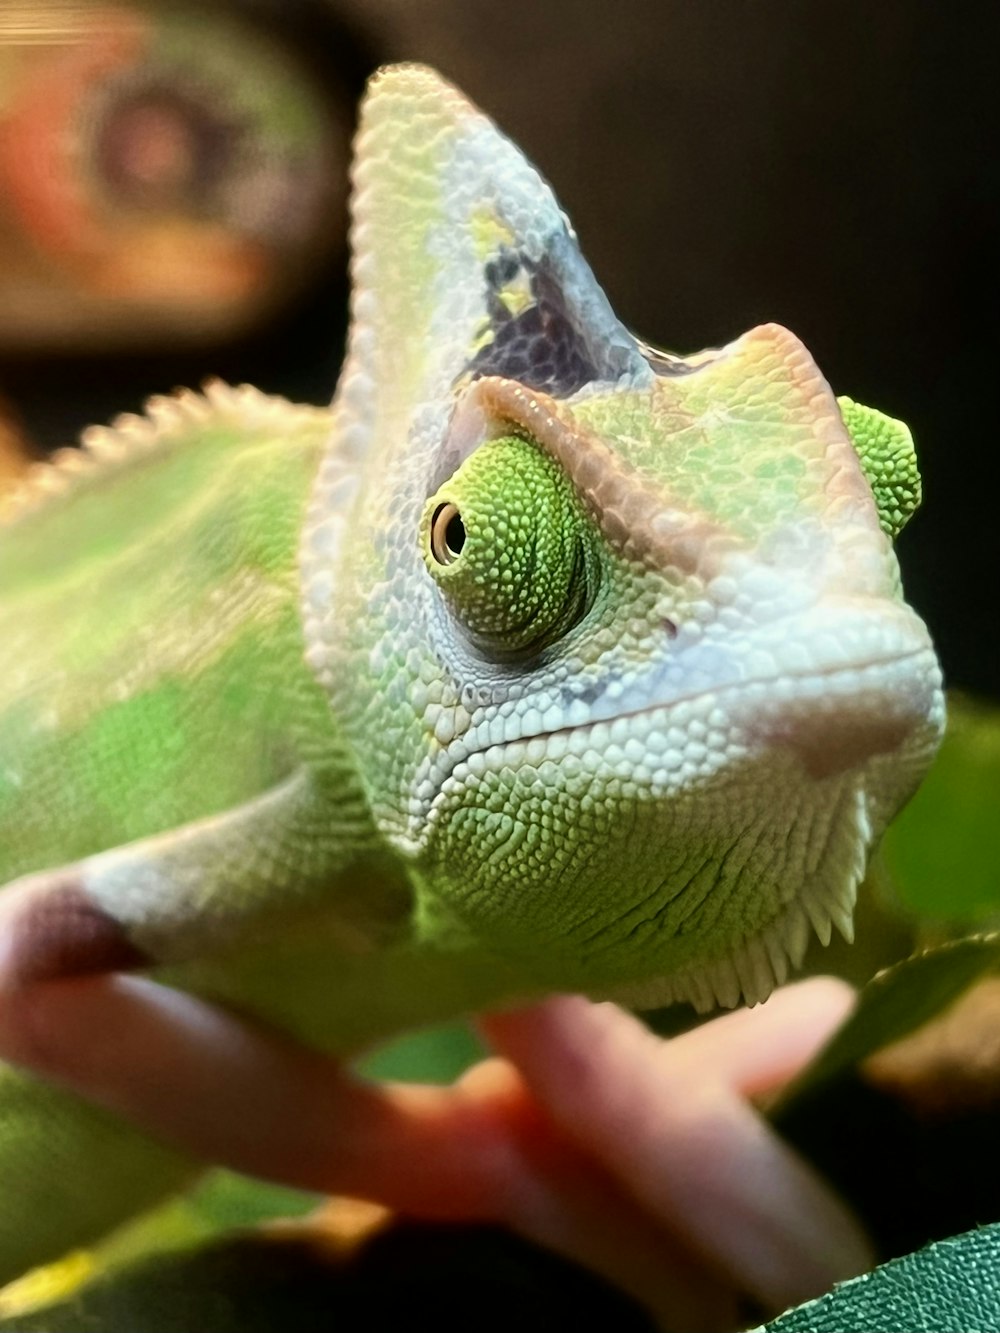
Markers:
point(509, 544)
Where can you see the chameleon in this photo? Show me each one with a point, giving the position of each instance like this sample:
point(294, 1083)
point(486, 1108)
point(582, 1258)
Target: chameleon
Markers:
point(543, 660)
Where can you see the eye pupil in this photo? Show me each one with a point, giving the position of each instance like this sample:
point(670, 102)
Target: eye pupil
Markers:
point(454, 533)
point(447, 534)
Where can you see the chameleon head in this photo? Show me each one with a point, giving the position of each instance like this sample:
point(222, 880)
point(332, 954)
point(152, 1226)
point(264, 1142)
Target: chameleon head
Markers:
point(633, 687)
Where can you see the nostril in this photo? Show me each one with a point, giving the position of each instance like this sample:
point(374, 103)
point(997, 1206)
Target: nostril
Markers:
point(670, 628)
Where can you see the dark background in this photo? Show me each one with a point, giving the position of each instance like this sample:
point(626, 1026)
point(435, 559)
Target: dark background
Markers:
point(832, 165)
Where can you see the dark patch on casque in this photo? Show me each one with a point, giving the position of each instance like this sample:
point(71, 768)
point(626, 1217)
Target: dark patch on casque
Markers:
point(61, 932)
point(540, 346)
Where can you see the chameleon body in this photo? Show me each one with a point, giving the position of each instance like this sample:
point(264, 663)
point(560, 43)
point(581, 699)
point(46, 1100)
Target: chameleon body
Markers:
point(542, 661)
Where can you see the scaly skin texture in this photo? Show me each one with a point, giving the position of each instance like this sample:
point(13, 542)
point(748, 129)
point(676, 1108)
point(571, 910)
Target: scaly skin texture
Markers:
point(885, 449)
point(180, 697)
point(547, 661)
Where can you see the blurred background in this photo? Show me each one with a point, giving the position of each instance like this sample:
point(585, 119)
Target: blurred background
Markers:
point(173, 192)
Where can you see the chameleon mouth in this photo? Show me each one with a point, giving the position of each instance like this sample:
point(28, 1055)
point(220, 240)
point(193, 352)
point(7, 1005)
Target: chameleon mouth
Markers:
point(888, 671)
point(833, 718)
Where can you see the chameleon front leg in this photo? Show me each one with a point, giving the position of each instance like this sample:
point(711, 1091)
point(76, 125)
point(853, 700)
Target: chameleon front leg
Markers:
point(67, 1012)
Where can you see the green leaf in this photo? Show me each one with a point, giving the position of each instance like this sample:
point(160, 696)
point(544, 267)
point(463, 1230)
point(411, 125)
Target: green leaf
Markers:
point(896, 1002)
point(435, 1055)
point(949, 1285)
point(943, 852)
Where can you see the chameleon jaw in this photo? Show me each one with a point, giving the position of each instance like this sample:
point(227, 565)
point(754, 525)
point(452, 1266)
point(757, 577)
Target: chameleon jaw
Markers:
point(871, 782)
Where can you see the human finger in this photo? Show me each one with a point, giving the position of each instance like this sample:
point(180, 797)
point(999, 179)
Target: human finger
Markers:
point(684, 1142)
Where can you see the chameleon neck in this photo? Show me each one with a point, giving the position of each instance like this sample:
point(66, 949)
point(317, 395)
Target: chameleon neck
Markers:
point(341, 997)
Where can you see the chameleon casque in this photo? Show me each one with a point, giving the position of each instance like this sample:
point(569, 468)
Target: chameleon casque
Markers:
point(542, 661)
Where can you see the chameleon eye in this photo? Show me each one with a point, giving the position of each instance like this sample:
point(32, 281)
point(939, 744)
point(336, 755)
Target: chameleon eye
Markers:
point(447, 533)
point(529, 559)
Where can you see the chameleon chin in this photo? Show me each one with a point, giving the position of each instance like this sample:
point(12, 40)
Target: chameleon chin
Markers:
point(542, 660)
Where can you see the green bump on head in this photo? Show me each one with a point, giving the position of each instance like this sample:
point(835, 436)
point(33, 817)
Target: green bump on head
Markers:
point(509, 545)
point(885, 448)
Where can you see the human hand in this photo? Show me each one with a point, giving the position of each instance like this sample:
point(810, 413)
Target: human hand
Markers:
point(646, 1159)
point(640, 1157)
